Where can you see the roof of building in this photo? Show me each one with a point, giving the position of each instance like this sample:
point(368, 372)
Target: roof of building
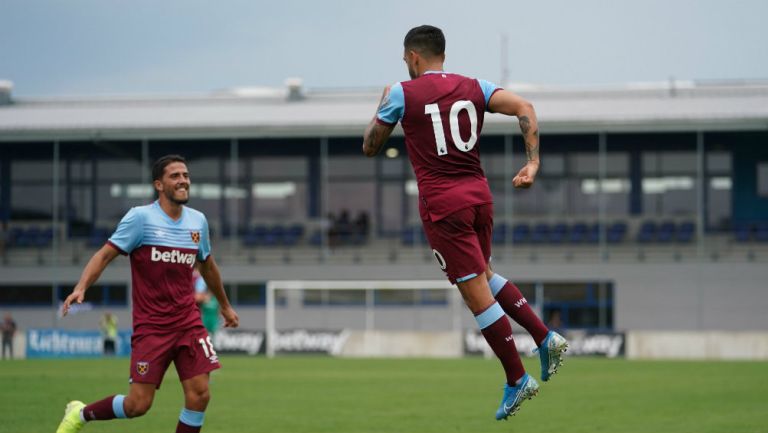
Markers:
point(291, 112)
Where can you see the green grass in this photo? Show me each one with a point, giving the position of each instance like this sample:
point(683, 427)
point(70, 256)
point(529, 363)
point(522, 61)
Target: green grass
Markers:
point(314, 394)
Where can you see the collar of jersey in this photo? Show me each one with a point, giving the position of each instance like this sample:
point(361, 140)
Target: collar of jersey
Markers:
point(435, 72)
point(156, 205)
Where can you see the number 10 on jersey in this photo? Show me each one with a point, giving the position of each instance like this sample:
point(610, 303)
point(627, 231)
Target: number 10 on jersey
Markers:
point(453, 118)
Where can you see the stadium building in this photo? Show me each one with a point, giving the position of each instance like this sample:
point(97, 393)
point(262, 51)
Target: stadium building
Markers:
point(649, 215)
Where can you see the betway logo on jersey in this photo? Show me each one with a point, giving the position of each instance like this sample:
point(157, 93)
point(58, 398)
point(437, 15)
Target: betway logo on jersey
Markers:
point(173, 256)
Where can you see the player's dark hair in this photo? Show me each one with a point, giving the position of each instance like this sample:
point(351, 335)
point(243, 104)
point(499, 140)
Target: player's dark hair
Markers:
point(158, 168)
point(426, 40)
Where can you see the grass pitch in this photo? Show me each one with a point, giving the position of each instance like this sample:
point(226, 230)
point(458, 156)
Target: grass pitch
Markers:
point(314, 394)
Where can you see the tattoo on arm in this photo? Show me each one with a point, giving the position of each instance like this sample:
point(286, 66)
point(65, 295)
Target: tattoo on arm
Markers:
point(531, 139)
point(532, 150)
point(376, 137)
point(525, 125)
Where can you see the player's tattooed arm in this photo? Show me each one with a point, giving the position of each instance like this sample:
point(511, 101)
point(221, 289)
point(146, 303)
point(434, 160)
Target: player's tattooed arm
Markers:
point(506, 102)
point(376, 134)
point(530, 136)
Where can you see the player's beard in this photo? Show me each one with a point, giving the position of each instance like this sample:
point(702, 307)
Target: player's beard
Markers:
point(171, 197)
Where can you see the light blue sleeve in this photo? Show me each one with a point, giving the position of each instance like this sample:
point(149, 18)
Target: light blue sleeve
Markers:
point(391, 111)
point(488, 89)
point(129, 233)
point(204, 249)
point(200, 286)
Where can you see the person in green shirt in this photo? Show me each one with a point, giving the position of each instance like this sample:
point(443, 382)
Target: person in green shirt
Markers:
point(209, 306)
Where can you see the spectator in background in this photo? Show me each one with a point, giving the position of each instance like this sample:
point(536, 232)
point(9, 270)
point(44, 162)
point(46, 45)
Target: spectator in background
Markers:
point(332, 229)
point(555, 321)
point(362, 226)
point(209, 306)
point(9, 330)
point(344, 226)
point(108, 327)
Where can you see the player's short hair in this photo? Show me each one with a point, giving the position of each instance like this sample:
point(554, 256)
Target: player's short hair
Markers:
point(426, 40)
point(158, 168)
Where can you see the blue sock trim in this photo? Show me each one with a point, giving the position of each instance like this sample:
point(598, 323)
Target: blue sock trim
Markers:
point(496, 282)
point(490, 316)
point(117, 406)
point(465, 278)
point(191, 418)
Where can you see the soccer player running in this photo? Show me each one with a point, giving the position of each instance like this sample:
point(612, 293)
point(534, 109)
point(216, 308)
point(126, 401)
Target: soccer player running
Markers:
point(442, 115)
point(164, 240)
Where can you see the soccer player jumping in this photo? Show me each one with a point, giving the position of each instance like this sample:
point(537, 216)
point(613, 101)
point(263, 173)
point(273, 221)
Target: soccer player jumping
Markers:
point(164, 240)
point(442, 115)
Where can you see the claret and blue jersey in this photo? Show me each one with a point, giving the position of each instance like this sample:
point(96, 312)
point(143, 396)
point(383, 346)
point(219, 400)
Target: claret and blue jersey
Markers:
point(392, 112)
point(442, 116)
point(163, 253)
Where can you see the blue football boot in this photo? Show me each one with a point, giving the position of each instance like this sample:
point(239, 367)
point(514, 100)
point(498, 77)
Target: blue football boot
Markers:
point(514, 396)
point(551, 354)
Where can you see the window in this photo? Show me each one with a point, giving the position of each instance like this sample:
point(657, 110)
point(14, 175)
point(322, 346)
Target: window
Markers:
point(587, 305)
point(669, 183)
point(279, 190)
point(252, 294)
point(119, 169)
point(102, 295)
point(26, 295)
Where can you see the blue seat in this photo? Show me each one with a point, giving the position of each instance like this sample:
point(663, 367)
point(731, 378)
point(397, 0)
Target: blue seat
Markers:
point(43, 238)
point(521, 233)
point(540, 234)
point(616, 232)
point(499, 234)
point(250, 239)
point(578, 233)
point(666, 232)
point(274, 236)
point(15, 235)
point(316, 239)
point(27, 238)
point(97, 237)
point(761, 232)
point(647, 232)
point(293, 235)
point(296, 230)
point(686, 232)
point(559, 233)
point(255, 236)
point(742, 232)
point(407, 237)
point(413, 235)
point(593, 234)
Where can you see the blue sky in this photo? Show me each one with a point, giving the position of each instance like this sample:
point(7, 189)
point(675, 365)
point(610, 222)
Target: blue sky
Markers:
point(88, 47)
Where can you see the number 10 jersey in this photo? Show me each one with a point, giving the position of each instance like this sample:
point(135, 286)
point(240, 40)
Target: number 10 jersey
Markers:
point(442, 117)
